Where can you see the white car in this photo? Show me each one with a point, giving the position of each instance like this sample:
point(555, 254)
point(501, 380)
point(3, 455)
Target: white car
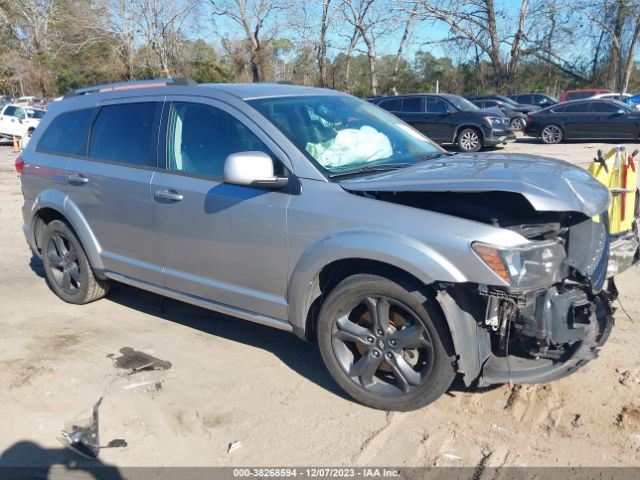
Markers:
point(613, 96)
point(20, 121)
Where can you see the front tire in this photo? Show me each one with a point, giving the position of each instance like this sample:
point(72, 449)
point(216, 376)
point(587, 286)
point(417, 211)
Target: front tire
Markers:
point(469, 140)
point(68, 271)
point(384, 342)
point(551, 134)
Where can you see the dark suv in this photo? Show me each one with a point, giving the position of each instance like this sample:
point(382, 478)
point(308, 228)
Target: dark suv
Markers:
point(450, 119)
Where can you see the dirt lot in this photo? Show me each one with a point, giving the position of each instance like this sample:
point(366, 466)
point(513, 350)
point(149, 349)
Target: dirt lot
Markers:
point(233, 381)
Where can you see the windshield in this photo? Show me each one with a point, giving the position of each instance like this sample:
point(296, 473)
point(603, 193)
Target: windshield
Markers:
point(461, 103)
point(341, 134)
point(35, 113)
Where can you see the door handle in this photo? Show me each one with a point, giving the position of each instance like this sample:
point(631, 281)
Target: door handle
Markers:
point(78, 179)
point(170, 195)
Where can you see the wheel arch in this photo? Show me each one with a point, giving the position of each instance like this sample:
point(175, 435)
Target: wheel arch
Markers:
point(461, 127)
point(328, 261)
point(55, 205)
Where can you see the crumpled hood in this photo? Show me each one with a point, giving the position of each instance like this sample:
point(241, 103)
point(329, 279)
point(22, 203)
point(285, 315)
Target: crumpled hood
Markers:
point(549, 185)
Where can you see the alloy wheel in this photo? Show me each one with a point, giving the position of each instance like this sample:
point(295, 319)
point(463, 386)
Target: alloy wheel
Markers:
point(64, 262)
point(517, 124)
point(469, 140)
point(383, 346)
point(551, 134)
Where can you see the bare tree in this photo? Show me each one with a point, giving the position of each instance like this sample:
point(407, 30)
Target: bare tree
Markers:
point(618, 21)
point(31, 24)
point(121, 22)
point(162, 24)
point(368, 23)
point(321, 48)
point(475, 22)
point(408, 24)
point(253, 17)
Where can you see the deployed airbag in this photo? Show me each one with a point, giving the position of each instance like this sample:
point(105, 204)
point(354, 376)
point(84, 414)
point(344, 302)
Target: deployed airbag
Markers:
point(351, 146)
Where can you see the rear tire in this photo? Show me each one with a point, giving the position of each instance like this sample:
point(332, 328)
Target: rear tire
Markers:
point(469, 140)
point(68, 271)
point(551, 134)
point(385, 343)
point(517, 124)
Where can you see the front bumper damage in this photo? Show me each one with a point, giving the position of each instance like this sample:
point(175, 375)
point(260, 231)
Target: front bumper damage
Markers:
point(501, 335)
point(536, 338)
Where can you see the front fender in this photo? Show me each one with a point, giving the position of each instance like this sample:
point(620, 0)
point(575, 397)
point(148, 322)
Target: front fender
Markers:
point(60, 202)
point(402, 252)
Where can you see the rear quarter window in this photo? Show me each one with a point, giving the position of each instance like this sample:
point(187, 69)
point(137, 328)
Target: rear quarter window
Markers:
point(67, 133)
point(126, 133)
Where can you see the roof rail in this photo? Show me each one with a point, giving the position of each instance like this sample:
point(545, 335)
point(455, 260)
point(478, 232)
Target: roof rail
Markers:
point(112, 87)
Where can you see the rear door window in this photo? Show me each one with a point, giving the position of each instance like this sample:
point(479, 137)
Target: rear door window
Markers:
point(126, 133)
point(436, 105)
point(67, 133)
point(577, 108)
point(412, 105)
point(9, 111)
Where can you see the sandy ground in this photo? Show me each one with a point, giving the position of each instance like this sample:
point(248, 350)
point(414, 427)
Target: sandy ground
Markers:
point(233, 381)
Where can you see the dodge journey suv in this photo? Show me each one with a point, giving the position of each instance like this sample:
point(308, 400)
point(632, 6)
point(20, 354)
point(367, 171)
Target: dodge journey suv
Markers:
point(316, 213)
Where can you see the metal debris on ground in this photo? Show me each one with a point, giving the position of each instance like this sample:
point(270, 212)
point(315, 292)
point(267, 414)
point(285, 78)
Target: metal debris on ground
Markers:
point(84, 438)
point(233, 446)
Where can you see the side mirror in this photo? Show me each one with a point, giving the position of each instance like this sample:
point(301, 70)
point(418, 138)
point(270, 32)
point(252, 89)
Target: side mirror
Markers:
point(620, 111)
point(252, 169)
point(451, 111)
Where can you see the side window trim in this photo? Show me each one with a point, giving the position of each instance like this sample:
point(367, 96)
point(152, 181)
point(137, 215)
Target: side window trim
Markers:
point(163, 160)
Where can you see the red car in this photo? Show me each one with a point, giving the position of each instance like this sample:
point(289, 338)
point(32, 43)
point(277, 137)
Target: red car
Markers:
point(579, 94)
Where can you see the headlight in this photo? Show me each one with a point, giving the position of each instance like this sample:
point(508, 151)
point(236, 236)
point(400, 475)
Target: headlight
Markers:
point(533, 265)
point(495, 121)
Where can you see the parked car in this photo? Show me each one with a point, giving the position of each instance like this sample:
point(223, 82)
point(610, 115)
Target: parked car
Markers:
point(514, 105)
point(582, 93)
point(25, 100)
point(584, 119)
point(20, 121)
point(633, 101)
point(450, 119)
point(612, 96)
point(541, 100)
point(317, 213)
point(517, 119)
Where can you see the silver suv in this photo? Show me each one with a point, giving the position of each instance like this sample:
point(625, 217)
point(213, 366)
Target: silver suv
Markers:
point(316, 213)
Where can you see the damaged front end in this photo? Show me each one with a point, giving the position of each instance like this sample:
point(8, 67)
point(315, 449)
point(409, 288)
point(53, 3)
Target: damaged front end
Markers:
point(548, 308)
point(554, 311)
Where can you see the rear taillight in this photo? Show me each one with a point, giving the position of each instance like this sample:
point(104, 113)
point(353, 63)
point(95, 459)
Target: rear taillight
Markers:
point(19, 164)
point(529, 119)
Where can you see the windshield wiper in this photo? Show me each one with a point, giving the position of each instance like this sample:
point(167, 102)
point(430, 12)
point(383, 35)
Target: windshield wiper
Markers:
point(372, 168)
